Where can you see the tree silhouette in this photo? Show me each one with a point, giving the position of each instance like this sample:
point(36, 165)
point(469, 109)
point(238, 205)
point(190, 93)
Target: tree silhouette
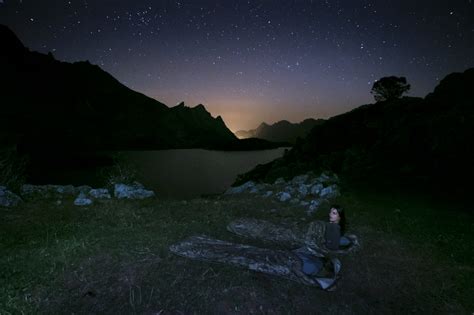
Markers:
point(389, 88)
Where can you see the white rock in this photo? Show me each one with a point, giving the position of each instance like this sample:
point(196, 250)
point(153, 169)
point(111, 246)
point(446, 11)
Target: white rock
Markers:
point(302, 190)
point(240, 189)
point(283, 196)
point(289, 189)
point(313, 206)
point(300, 179)
point(82, 200)
point(268, 194)
point(316, 189)
point(329, 192)
point(135, 191)
point(99, 193)
point(64, 190)
point(83, 189)
point(8, 199)
point(279, 181)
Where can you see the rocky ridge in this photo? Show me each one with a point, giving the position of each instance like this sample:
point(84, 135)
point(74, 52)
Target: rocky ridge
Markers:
point(306, 190)
point(84, 195)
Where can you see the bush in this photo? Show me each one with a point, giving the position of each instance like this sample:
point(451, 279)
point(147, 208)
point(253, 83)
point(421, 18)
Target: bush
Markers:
point(122, 171)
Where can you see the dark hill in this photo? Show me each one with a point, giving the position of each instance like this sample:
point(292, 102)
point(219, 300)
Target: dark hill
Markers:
point(57, 105)
point(282, 131)
point(426, 140)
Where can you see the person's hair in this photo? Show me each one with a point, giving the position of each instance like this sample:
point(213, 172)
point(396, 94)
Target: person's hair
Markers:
point(342, 215)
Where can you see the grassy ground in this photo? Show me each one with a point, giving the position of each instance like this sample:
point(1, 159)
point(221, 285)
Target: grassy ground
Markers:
point(113, 258)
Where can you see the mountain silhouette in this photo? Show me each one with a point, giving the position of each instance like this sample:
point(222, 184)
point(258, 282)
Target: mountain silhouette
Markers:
point(49, 104)
point(282, 131)
point(429, 140)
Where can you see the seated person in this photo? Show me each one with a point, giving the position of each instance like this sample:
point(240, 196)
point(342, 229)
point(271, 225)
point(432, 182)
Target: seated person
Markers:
point(334, 228)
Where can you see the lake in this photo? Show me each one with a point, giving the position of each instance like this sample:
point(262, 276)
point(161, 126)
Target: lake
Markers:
point(189, 173)
point(172, 174)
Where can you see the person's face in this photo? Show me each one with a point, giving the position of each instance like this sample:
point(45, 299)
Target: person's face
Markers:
point(334, 215)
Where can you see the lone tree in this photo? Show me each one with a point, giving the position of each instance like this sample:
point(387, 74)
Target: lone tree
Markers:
point(389, 88)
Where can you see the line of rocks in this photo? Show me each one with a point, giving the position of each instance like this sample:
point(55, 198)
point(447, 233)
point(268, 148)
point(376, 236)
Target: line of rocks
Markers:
point(306, 190)
point(85, 195)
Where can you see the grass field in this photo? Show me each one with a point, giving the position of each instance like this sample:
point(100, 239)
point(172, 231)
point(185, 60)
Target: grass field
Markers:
point(416, 256)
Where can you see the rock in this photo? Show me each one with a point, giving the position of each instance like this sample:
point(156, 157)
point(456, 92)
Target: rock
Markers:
point(324, 177)
point(329, 192)
point(8, 199)
point(301, 179)
point(52, 191)
point(304, 203)
point(316, 189)
point(283, 196)
point(240, 189)
point(83, 189)
point(289, 189)
point(82, 200)
point(134, 191)
point(280, 181)
point(257, 188)
point(327, 177)
point(99, 193)
point(28, 190)
point(302, 191)
point(64, 190)
point(313, 206)
point(268, 194)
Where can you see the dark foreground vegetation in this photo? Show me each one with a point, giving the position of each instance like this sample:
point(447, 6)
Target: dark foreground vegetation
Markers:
point(109, 258)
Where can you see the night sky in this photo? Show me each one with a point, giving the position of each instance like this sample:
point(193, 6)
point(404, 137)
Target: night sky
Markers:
point(254, 61)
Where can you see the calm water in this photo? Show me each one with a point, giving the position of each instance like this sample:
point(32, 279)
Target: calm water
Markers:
point(192, 172)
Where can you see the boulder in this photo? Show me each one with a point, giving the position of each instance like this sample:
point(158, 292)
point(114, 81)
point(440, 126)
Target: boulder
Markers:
point(83, 189)
point(134, 191)
point(28, 190)
point(268, 194)
point(52, 191)
point(82, 200)
point(289, 189)
point(302, 190)
point(316, 189)
point(65, 190)
point(280, 181)
point(330, 192)
point(327, 177)
point(283, 196)
point(300, 179)
point(313, 206)
point(240, 189)
point(8, 199)
point(258, 188)
point(99, 193)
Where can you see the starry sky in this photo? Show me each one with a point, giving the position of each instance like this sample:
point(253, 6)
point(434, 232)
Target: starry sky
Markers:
point(255, 61)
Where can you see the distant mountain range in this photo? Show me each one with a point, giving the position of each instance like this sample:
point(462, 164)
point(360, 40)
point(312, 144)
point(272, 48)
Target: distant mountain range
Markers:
point(429, 140)
point(48, 104)
point(282, 131)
